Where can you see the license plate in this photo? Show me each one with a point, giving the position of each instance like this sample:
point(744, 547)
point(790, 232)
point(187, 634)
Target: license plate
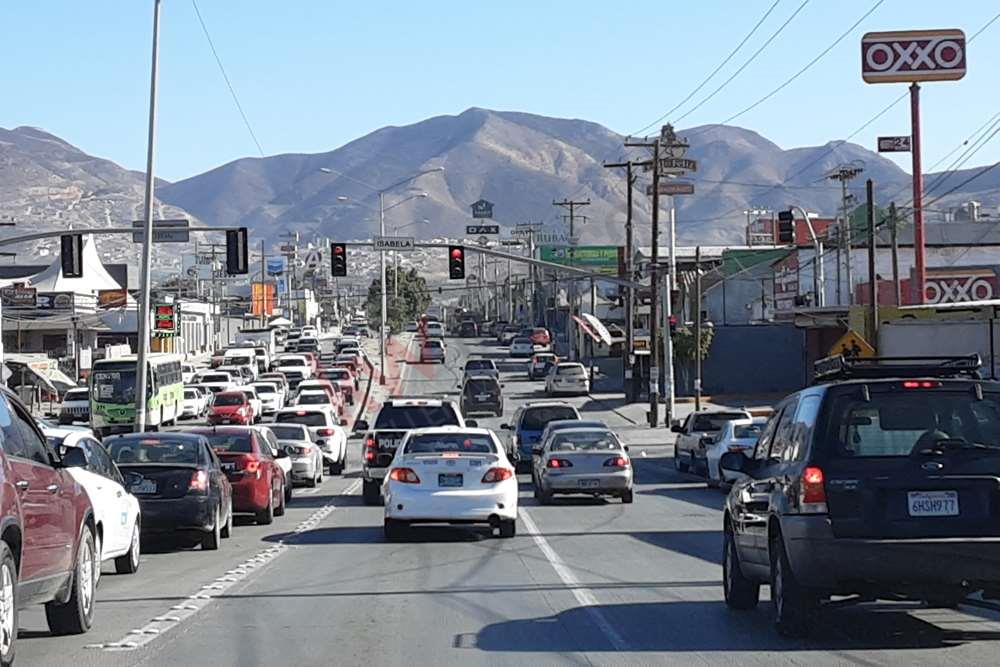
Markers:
point(224, 421)
point(589, 483)
point(450, 479)
point(933, 503)
point(228, 467)
point(482, 397)
point(145, 486)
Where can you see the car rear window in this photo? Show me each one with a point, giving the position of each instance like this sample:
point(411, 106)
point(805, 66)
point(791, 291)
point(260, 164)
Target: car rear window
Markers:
point(905, 422)
point(415, 416)
point(433, 343)
point(477, 386)
point(478, 364)
point(216, 377)
point(289, 431)
point(155, 450)
point(318, 398)
point(264, 389)
point(472, 443)
point(230, 442)
point(535, 419)
point(230, 399)
point(76, 395)
point(570, 370)
point(335, 375)
point(291, 362)
point(747, 431)
point(714, 421)
point(582, 441)
point(302, 417)
point(521, 341)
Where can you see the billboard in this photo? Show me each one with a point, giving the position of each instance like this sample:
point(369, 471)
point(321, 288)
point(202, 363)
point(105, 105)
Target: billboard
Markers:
point(606, 259)
point(275, 266)
point(112, 298)
point(263, 298)
point(19, 296)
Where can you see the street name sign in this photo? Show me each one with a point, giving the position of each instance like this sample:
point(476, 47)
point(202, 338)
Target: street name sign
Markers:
point(677, 165)
point(394, 243)
point(673, 188)
point(164, 231)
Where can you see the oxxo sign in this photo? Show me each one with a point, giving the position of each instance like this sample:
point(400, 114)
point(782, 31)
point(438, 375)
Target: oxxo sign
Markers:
point(913, 55)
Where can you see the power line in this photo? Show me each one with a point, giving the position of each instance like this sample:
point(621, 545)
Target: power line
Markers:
point(232, 91)
point(966, 154)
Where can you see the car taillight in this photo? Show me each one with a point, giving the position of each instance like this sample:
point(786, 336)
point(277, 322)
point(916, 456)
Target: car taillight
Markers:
point(812, 491)
point(199, 481)
point(369, 455)
point(325, 431)
point(921, 384)
point(252, 466)
point(370, 443)
point(558, 463)
point(617, 462)
point(494, 475)
point(404, 475)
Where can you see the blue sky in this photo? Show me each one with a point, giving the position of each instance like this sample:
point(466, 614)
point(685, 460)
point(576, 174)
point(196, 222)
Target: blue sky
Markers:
point(314, 74)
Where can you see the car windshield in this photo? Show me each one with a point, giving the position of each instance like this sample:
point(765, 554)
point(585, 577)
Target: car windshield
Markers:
point(289, 431)
point(155, 450)
point(433, 343)
point(215, 377)
point(190, 393)
point(114, 385)
point(339, 374)
point(570, 370)
point(747, 431)
point(303, 417)
point(471, 443)
point(535, 419)
point(230, 399)
point(317, 398)
point(416, 416)
point(76, 395)
point(582, 441)
point(264, 388)
point(909, 422)
point(230, 442)
point(714, 421)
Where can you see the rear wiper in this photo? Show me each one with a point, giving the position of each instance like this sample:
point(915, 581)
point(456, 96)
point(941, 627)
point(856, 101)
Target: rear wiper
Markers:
point(947, 445)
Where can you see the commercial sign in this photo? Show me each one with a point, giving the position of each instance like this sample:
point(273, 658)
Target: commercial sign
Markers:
point(482, 209)
point(913, 55)
point(112, 298)
point(275, 266)
point(608, 260)
point(164, 320)
point(18, 296)
point(476, 230)
point(262, 298)
point(396, 243)
point(164, 231)
point(192, 268)
point(677, 165)
point(894, 144)
point(313, 260)
point(55, 301)
point(958, 285)
point(673, 188)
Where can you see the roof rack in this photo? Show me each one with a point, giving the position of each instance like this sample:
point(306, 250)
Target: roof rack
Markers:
point(839, 367)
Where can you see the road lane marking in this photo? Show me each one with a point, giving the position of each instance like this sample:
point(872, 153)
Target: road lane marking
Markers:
point(206, 593)
point(583, 595)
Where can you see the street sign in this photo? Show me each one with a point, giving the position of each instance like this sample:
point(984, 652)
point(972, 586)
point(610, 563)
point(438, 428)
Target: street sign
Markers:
point(482, 209)
point(894, 144)
point(19, 296)
point(673, 188)
point(164, 231)
point(288, 248)
point(482, 229)
point(677, 165)
point(913, 55)
point(511, 242)
point(386, 243)
point(851, 344)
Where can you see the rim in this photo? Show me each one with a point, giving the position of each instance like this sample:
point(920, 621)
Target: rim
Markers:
point(7, 629)
point(134, 551)
point(87, 576)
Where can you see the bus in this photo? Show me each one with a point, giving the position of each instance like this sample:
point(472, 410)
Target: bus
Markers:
point(112, 393)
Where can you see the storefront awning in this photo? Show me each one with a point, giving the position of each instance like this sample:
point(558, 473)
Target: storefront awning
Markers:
point(585, 327)
point(600, 331)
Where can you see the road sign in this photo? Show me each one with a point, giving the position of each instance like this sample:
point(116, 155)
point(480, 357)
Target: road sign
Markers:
point(673, 188)
point(164, 231)
point(394, 243)
point(482, 209)
point(511, 242)
point(288, 248)
point(482, 229)
point(677, 165)
point(894, 144)
point(913, 55)
point(851, 344)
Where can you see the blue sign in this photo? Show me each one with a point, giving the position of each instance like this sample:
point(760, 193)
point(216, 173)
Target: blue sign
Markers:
point(276, 265)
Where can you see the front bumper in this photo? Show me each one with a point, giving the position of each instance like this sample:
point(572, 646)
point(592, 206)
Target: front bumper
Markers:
point(606, 482)
point(188, 513)
point(406, 503)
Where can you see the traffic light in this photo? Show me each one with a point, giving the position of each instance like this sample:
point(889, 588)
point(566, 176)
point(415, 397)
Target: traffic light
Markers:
point(72, 255)
point(237, 262)
point(338, 259)
point(673, 325)
point(456, 262)
point(786, 227)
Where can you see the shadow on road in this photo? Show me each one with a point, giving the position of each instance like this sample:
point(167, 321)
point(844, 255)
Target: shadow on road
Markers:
point(374, 534)
point(695, 494)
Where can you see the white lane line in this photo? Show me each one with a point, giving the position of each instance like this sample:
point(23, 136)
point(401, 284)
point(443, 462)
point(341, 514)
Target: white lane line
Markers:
point(583, 595)
point(199, 600)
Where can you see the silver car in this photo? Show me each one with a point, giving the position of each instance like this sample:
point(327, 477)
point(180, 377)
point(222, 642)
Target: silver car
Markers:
point(590, 461)
point(307, 459)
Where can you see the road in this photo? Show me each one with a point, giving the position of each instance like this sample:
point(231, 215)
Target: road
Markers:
point(585, 581)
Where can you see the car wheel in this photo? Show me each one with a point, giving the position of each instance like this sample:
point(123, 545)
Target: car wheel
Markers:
point(312, 482)
point(544, 497)
point(740, 592)
point(74, 616)
point(680, 465)
point(99, 551)
point(508, 528)
point(371, 492)
point(8, 605)
point(129, 563)
point(288, 492)
point(210, 540)
point(393, 529)
point(227, 528)
point(280, 509)
point(793, 605)
point(709, 481)
point(627, 496)
point(266, 516)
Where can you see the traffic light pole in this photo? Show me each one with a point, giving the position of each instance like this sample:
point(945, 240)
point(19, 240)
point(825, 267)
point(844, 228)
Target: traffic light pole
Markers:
point(381, 332)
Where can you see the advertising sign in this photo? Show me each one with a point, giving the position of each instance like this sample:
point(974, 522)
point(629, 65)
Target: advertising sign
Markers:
point(913, 55)
point(475, 230)
point(482, 209)
point(18, 296)
point(275, 266)
point(608, 260)
point(55, 301)
point(112, 298)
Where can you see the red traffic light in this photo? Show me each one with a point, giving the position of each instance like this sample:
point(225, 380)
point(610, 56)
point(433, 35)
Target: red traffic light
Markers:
point(338, 250)
point(456, 253)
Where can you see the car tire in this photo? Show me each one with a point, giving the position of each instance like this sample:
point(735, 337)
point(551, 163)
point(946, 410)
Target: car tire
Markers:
point(709, 482)
point(680, 465)
point(544, 497)
point(227, 528)
point(265, 517)
point(312, 482)
point(793, 605)
point(75, 616)
point(128, 563)
point(627, 497)
point(508, 528)
point(393, 529)
point(8, 613)
point(371, 492)
point(740, 592)
point(210, 541)
point(288, 488)
point(280, 509)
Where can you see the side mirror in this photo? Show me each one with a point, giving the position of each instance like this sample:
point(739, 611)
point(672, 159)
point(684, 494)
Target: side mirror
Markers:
point(472, 423)
point(735, 462)
point(360, 425)
point(74, 458)
point(505, 427)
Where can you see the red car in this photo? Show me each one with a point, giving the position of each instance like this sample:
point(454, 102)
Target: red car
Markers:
point(257, 480)
point(231, 407)
point(48, 552)
point(343, 378)
point(541, 336)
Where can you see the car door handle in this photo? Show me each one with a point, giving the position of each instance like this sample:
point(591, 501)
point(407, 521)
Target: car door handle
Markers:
point(22, 485)
point(52, 488)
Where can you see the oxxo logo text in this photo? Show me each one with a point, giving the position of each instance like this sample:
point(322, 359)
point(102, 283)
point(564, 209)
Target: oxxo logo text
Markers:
point(957, 290)
point(915, 55)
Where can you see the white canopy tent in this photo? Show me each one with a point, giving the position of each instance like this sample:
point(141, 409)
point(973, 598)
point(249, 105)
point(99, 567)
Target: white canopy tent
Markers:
point(95, 276)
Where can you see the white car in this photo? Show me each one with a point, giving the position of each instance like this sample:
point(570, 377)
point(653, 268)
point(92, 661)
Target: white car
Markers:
point(310, 331)
point(450, 474)
point(215, 380)
point(293, 362)
point(568, 377)
point(325, 432)
point(255, 403)
point(241, 373)
point(284, 462)
point(434, 330)
point(272, 398)
point(738, 435)
point(75, 406)
point(521, 347)
point(314, 397)
point(195, 403)
point(307, 459)
point(187, 373)
point(116, 511)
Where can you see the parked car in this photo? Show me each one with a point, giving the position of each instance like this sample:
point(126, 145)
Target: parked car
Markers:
point(257, 480)
point(696, 433)
point(195, 404)
point(879, 481)
point(307, 459)
point(527, 425)
point(231, 407)
point(521, 347)
point(567, 377)
point(116, 511)
point(75, 406)
point(179, 482)
point(481, 393)
point(540, 364)
point(481, 367)
point(328, 435)
point(590, 461)
point(735, 436)
point(432, 350)
point(477, 486)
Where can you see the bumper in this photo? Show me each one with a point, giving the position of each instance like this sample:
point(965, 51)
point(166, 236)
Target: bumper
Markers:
point(176, 514)
point(303, 470)
point(569, 389)
point(821, 560)
point(228, 419)
point(434, 505)
point(469, 408)
point(600, 483)
point(249, 495)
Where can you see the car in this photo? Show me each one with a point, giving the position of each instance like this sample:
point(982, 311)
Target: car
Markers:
point(332, 391)
point(590, 461)
point(266, 435)
point(434, 330)
point(294, 379)
point(252, 468)
point(468, 329)
point(346, 343)
point(116, 511)
point(567, 377)
point(293, 362)
point(877, 481)
point(349, 366)
point(507, 334)
point(344, 379)
point(276, 377)
point(246, 356)
point(562, 424)
point(540, 364)
point(395, 418)
point(75, 406)
point(48, 548)
point(314, 397)
point(497, 327)
point(231, 407)
point(481, 367)
point(307, 344)
point(349, 356)
point(195, 404)
point(292, 339)
point(306, 457)
point(312, 358)
point(736, 435)
point(521, 347)
point(433, 350)
point(481, 393)
point(325, 431)
point(272, 397)
point(695, 434)
point(242, 374)
point(215, 380)
point(541, 338)
point(309, 331)
point(187, 373)
point(178, 479)
point(454, 475)
point(256, 405)
point(527, 425)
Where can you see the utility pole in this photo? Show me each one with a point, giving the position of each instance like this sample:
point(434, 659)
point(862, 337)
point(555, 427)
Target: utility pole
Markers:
point(142, 315)
point(845, 173)
point(571, 206)
point(895, 253)
point(629, 364)
point(263, 300)
point(697, 329)
point(872, 275)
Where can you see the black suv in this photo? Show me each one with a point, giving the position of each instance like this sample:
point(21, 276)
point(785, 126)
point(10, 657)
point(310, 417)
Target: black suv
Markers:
point(468, 329)
point(482, 393)
point(883, 481)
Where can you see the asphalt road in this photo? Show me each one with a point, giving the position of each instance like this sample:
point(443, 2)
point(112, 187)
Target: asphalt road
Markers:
point(585, 581)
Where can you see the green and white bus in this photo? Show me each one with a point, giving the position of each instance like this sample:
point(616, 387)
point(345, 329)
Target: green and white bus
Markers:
point(112, 393)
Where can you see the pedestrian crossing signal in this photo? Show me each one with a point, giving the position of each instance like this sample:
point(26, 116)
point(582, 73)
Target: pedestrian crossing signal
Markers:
point(456, 262)
point(338, 259)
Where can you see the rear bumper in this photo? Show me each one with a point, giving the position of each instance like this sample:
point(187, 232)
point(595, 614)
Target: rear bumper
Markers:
point(303, 470)
point(249, 495)
point(820, 560)
point(569, 389)
point(607, 482)
point(405, 503)
point(177, 514)
point(227, 419)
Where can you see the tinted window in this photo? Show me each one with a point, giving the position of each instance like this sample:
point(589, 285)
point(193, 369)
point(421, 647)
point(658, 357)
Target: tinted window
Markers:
point(292, 362)
point(479, 364)
point(764, 444)
point(13, 443)
point(535, 419)
point(317, 398)
point(215, 377)
point(480, 386)
point(305, 418)
point(335, 375)
point(289, 432)
point(230, 399)
point(570, 370)
point(416, 416)
point(35, 447)
point(747, 431)
point(230, 442)
point(783, 432)
point(155, 450)
point(578, 441)
point(710, 422)
point(802, 427)
point(451, 442)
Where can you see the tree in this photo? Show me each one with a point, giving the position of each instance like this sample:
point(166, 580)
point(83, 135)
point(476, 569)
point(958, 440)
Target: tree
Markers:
point(411, 303)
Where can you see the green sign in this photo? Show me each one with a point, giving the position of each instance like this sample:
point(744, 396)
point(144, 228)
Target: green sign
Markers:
point(606, 259)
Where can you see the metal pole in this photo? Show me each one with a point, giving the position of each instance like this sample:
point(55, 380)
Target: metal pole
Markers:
point(668, 342)
point(819, 282)
point(630, 291)
point(872, 275)
point(593, 311)
point(142, 315)
point(847, 232)
point(919, 268)
point(697, 329)
point(654, 371)
point(381, 332)
point(895, 253)
point(263, 301)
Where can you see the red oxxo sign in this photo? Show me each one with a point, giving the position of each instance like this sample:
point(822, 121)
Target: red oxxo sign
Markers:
point(913, 55)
